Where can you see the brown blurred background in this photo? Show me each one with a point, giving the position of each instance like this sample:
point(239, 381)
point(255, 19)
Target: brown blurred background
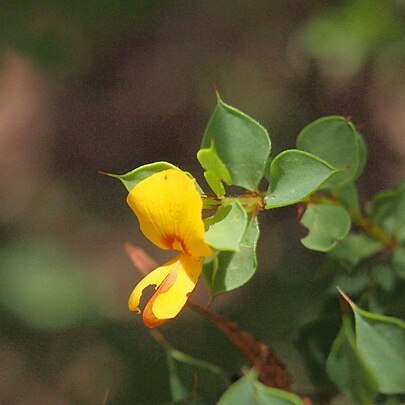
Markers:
point(111, 85)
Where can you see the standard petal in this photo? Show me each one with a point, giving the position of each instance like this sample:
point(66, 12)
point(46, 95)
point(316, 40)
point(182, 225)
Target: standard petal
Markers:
point(155, 277)
point(173, 293)
point(168, 208)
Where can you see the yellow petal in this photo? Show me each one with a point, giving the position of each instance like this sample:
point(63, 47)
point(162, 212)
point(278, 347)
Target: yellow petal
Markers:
point(168, 208)
point(149, 318)
point(155, 277)
point(171, 297)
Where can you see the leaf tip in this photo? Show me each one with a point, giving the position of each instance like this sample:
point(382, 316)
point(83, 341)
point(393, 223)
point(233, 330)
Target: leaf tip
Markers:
point(108, 174)
point(216, 91)
point(346, 299)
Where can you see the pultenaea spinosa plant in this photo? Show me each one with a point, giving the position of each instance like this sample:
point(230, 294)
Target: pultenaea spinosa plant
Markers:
point(359, 349)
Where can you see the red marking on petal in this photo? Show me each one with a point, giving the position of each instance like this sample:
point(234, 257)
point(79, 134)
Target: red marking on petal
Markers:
point(149, 318)
point(170, 241)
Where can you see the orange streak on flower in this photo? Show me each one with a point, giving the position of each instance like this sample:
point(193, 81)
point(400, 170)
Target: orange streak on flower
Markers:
point(149, 318)
point(173, 242)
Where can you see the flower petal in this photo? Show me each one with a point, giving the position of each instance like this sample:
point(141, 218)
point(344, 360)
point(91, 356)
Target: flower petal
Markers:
point(173, 293)
point(169, 207)
point(155, 277)
point(149, 318)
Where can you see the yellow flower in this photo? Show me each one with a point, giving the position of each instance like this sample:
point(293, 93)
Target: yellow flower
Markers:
point(168, 208)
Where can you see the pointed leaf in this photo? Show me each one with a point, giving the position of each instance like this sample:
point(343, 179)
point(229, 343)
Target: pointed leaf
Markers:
point(335, 140)
point(380, 340)
point(132, 178)
point(327, 224)
point(347, 369)
point(230, 270)
point(227, 227)
point(241, 144)
point(294, 175)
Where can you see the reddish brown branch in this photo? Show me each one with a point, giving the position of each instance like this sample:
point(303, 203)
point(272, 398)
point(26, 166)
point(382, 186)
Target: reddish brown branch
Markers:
point(272, 371)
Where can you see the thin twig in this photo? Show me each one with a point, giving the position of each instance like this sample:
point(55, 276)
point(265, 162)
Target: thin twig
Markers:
point(272, 372)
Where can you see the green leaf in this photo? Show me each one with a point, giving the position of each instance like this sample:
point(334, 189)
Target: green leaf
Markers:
point(215, 170)
point(239, 393)
point(388, 209)
point(241, 144)
point(132, 178)
point(335, 140)
point(294, 175)
point(227, 227)
point(193, 379)
point(362, 154)
point(381, 342)
point(348, 195)
point(398, 261)
point(248, 390)
point(347, 369)
point(355, 248)
point(230, 270)
point(327, 224)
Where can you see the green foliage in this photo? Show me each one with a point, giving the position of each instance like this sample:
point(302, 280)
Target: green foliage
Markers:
point(388, 209)
point(215, 170)
point(327, 225)
point(336, 141)
point(348, 196)
point(362, 356)
point(229, 270)
point(241, 144)
point(248, 390)
point(227, 227)
point(381, 342)
point(368, 359)
point(132, 178)
point(347, 369)
point(293, 176)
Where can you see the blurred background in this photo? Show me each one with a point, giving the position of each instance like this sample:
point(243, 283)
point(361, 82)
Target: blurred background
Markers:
point(111, 85)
